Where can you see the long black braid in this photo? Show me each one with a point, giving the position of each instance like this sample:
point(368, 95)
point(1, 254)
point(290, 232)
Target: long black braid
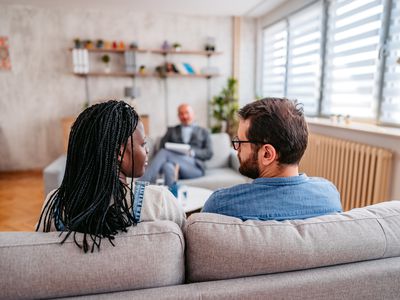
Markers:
point(91, 198)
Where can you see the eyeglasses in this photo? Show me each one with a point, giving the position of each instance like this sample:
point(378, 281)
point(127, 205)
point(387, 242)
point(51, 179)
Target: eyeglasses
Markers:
point(236, 142)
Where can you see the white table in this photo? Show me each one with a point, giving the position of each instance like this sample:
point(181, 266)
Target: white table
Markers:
point(195, 197)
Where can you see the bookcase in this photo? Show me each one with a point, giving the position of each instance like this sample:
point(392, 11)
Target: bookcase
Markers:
point(86, 64)
point(86, 69)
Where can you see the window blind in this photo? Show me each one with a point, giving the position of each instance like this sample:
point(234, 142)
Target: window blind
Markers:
point(304, 58)
point(351, 66)
point(390, 110)
point(274, 60)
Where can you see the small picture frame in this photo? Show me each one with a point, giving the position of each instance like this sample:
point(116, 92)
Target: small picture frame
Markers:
point(5, 62)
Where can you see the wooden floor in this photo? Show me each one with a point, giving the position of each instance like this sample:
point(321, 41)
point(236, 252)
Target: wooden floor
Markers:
point(21, 199)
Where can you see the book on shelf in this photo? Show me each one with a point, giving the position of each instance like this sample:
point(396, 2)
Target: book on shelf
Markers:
point(181, 68)
point(189, 68)
point(80, 61)
point(130, 61)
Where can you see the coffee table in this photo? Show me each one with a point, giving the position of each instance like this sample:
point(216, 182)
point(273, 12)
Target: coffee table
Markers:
point(192, 198)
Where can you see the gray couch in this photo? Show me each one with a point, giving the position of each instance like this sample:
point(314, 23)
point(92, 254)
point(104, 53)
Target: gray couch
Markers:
point(352, 255)
point(221, 169)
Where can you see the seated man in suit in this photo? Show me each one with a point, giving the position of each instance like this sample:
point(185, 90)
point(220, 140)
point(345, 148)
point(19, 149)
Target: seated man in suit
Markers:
point(191, 163)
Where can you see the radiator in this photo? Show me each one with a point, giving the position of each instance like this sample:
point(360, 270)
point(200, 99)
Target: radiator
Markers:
point(360, 172)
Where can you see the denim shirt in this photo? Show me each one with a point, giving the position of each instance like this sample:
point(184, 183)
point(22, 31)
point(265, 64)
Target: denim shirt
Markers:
point(281, 198)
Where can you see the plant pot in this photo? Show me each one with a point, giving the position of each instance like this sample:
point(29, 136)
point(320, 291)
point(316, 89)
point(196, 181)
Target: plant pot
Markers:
point(107, 68)
point(224, 125)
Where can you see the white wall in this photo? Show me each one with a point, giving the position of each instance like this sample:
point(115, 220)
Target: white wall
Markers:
point(247, 72)
point(40, 89)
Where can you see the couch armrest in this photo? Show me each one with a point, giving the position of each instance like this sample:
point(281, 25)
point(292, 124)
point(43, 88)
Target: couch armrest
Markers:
point(54, 173)
point(233, 160)
point(153, 145)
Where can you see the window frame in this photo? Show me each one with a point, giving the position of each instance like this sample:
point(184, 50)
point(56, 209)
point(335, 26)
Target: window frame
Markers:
point(380, 64)
point(263, 53)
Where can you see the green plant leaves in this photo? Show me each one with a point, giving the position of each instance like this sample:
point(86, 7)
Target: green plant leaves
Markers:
point(224, 109)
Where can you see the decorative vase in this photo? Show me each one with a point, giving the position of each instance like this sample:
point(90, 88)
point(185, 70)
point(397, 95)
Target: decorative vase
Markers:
point(107, 68)
point(224, 126)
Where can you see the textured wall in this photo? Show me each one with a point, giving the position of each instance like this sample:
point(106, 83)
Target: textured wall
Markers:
point(40, 89)
point(247, 72)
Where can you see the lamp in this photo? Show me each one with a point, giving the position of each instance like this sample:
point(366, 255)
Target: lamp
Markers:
point(132, 93)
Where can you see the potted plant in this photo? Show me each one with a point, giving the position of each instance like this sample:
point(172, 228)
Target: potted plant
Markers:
point(142, 70)
point(224, 109)
point(99, 44)
point(210, 44)
point(85, 104)
point(177, 46)
point(77, 43)
point(106, 60)
point(165, 46)
point(88, 44)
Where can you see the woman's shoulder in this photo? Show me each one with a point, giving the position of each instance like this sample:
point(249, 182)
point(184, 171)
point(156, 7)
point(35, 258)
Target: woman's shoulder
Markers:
point(158, 194)
point(159, 203)
point(157, 189)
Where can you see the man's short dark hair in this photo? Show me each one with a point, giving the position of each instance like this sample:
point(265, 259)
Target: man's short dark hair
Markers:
point(279, 122)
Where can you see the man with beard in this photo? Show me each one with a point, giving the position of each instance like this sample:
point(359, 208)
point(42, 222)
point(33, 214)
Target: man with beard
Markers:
point(272, 137)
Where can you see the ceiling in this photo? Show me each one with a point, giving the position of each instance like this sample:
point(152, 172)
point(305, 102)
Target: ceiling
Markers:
point(247, 8)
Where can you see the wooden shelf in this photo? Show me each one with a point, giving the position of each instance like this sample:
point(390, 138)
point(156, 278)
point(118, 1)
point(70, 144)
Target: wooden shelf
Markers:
point(172, 75)
point(115, 74)
point(156, 51)
point(127, 57)
point(125, 74)
point(185, 52)
point(102, 50)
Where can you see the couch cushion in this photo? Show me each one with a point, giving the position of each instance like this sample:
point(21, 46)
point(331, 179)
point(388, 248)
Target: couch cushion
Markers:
point(216, 178)
point(221, 247)
point(221, 145)
point(35, 265)
point(377, 279)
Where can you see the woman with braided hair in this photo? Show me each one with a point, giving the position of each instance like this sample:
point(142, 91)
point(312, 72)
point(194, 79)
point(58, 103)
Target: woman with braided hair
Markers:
point(106, 145)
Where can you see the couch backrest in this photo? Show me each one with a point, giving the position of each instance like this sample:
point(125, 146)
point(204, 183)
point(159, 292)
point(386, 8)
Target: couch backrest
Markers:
point(221, 247)
point(221, 145)
point(36, 265)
